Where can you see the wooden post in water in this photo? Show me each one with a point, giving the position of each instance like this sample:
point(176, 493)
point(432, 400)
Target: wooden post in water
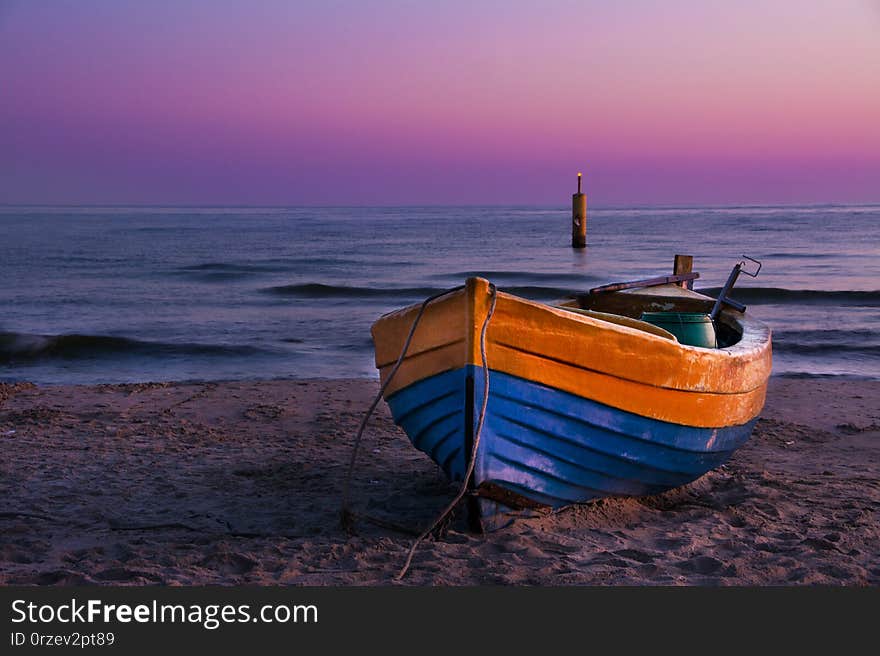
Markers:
point(579, 218)
point(684, 264)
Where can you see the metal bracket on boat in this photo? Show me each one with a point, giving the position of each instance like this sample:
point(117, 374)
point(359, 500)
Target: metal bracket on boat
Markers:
point(723, 298)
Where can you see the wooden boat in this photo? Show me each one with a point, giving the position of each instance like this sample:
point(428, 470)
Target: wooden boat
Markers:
point(584, 401)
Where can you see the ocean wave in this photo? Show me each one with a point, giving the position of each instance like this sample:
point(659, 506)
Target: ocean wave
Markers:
point(538, 292)
point(579, 280)
point(824, 374)
point(320, 290)
point(767, 295)
point(800, 256)
point(832, 349)
point(223, 271)
point(231, 267)
point(316, 290)
point(833, 336)
point(24, 347)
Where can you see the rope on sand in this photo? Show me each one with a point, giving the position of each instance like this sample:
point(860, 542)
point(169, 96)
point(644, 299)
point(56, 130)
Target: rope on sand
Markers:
point(473, 457)
point(346, 516)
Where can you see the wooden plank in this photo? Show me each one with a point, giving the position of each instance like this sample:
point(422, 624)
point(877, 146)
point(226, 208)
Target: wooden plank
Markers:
point(648, 282)
point(684, 264)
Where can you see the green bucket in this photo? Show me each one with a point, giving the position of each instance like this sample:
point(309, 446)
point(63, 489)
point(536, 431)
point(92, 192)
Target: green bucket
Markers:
point(691, 328)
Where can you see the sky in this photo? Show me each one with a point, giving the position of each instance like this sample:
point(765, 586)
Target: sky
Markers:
point(393, 102)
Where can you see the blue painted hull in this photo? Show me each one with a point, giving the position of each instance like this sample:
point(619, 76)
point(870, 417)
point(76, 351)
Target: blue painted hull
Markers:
point(552, 448)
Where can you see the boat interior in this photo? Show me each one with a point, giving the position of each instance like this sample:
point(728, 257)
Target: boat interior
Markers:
point(626, 307)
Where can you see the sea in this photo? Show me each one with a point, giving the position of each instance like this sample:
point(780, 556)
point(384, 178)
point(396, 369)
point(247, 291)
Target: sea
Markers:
point(132, 294)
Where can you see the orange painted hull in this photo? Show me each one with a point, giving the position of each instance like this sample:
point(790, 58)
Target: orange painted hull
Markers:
point(617, 364)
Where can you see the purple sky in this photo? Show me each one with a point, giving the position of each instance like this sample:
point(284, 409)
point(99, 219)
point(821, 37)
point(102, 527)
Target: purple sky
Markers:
point(452, 102)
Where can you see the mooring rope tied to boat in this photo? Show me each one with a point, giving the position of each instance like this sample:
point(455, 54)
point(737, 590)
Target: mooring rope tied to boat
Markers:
point(473, 456)
point(346, 516)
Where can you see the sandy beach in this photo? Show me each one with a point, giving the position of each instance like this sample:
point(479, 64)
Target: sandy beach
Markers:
point(240, 483)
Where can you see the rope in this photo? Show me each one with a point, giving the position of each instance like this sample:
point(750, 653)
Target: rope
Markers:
point(473, 457)
point(346, 516)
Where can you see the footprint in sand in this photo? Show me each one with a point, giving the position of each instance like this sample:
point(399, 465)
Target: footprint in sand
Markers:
point(126, 575)
point(701, 565)
point(635, 554)
point(228, 563)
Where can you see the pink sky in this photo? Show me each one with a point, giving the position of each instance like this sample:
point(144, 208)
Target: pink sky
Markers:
point(453, 102)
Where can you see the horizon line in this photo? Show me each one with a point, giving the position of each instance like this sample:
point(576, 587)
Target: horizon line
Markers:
point(670, 206)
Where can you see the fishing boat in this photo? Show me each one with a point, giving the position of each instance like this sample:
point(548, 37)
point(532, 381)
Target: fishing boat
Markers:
point(543, 405)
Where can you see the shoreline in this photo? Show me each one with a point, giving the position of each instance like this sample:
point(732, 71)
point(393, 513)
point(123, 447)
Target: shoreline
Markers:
point(239, 482)
point(27, 383)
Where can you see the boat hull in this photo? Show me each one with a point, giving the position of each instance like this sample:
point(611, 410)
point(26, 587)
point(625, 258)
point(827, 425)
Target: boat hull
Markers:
point(552, 448)
point(580, 406)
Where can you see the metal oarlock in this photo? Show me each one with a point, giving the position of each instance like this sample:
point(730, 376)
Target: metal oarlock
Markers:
point(723, 298)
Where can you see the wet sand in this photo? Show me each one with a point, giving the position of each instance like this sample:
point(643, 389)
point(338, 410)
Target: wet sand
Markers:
point(240, 483)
